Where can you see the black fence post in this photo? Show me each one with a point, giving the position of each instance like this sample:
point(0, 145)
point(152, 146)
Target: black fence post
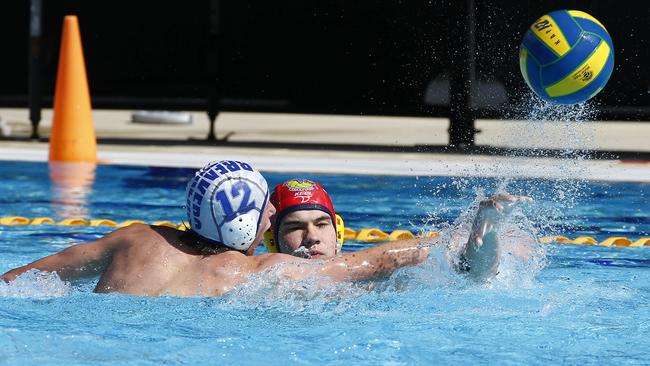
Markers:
point(214, 67)
point(34, 78)
point(461, 118)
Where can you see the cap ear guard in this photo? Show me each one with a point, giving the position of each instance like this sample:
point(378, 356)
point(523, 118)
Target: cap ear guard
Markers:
point(269, 242)
point(273, 247)
point(340, 233)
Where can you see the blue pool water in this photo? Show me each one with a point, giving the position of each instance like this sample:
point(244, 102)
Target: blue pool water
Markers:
point(570, 305)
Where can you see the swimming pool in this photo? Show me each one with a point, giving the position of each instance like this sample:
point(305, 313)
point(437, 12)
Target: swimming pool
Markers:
point(587, 305)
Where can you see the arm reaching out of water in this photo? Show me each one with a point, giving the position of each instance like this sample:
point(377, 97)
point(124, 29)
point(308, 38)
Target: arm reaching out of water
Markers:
point(377, 261)
point(81, 260)
point(481, 254)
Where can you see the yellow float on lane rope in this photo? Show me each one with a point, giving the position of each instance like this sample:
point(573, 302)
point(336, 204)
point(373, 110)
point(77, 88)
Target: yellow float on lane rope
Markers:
point(42, 220)
point(14, 220)
point(369, 235)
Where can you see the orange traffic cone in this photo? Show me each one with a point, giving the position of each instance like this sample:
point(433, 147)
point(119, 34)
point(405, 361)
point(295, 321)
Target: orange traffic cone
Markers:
point(73, 135)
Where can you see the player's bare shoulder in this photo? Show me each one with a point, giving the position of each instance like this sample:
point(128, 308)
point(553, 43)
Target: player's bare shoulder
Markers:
point(229, 261)
point(142, 237)
point(265, 261)
point(124, 237)
point(133, 231)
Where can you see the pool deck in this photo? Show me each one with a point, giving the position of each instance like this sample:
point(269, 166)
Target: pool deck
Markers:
point(358, 145)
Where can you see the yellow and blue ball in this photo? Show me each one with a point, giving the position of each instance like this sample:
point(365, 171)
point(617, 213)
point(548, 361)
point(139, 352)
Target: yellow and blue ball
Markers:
point(566, 57)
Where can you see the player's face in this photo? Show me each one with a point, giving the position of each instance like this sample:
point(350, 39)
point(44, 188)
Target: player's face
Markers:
point(311, 229)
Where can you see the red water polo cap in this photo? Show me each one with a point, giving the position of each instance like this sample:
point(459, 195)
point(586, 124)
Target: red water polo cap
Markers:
point(299, 194)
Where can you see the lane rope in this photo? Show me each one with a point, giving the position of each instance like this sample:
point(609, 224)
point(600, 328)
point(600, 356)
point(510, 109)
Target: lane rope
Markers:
point(369, 235)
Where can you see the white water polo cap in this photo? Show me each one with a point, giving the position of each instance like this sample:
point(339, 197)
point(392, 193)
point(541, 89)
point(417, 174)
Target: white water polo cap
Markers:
point(225, 203)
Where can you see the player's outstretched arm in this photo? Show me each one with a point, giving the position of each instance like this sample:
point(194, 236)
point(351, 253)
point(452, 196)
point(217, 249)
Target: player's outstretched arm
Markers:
point(77, 261)
point(377, 261)
point(480, 257)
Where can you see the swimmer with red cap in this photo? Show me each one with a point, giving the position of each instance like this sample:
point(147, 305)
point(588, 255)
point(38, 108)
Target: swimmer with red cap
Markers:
point(305, 223)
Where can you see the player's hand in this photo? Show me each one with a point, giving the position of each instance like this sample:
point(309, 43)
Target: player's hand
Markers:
point(492, 210)
point(503, 203)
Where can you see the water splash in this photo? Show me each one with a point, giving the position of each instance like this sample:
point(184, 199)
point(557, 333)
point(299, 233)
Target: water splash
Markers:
point(521, 256)
point(37, 285)
point(574, 134)
point(522, 259)
point(271, 290)
point(562, 136)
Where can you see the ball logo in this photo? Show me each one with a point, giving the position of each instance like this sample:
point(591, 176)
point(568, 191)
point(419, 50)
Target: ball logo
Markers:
point(545, 30)
point(586, 75)
point(543, 24)
point(299, 185)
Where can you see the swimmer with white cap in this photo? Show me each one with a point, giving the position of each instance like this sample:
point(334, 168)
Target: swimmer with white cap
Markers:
point(228, 212)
